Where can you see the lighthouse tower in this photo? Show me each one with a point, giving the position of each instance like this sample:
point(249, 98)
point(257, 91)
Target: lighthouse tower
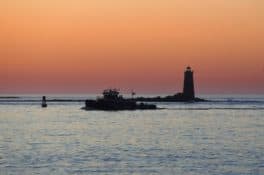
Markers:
point(188, 88)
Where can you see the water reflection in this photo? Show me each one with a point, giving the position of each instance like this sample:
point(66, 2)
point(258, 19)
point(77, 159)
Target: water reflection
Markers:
point(67, 140)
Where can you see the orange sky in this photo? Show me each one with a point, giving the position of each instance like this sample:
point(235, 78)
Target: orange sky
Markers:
point(77, 46)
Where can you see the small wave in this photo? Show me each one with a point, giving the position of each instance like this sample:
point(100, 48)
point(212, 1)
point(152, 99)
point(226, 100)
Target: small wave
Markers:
point(236, 101)
point(60, 135)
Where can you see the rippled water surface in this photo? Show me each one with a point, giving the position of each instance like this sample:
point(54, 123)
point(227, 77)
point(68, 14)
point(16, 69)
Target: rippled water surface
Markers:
point(225, 137)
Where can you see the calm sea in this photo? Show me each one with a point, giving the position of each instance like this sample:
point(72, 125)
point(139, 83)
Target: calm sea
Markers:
point(224, 136)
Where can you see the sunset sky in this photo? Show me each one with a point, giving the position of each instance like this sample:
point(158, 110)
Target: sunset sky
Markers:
point(84, 46)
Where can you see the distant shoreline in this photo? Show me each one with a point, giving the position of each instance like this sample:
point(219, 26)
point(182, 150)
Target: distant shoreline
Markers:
point(52, 100)
point(138, 99)
point(8, 97)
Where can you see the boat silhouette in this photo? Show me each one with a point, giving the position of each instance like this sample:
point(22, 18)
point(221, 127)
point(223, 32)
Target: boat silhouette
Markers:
point(112, 101)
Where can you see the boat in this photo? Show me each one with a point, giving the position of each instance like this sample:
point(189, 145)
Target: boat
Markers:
point(113, 101)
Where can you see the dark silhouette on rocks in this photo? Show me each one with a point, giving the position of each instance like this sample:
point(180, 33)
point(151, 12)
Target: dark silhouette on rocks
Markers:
point(112, 101)
point(188, 94)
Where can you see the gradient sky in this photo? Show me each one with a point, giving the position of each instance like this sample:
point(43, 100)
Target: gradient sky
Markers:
point(82, 46)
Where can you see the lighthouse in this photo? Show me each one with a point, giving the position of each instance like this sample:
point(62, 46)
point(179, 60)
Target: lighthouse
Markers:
point(188, 88)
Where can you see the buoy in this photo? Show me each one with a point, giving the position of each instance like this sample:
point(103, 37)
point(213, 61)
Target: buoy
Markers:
point(44, 103)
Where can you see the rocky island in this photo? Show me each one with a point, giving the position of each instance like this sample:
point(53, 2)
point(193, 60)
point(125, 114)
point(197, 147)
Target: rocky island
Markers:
point(187, 95)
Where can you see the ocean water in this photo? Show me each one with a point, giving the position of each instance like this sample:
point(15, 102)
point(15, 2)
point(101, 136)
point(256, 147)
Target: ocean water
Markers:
point(224, 136)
